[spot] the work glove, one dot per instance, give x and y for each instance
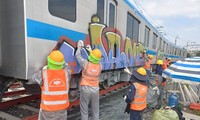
(127, 71)
(80, 44)
(124, 97)
(156, 90)
(88, 47)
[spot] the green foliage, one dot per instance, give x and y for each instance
(197, 112)
(188, 55)
(198, 53)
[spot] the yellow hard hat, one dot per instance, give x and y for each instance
(96, 53)
(141, 71)
(150, 57)
(140, 74)
(56, 56)
(159, 62)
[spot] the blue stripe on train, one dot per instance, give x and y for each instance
(168, 56)
(46, 31)
(151, 52)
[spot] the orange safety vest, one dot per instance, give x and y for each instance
(90, 74)
(55, 89)
(163, 83)
(147, 64)
(164, 66)
(139, 102)
(167, 62)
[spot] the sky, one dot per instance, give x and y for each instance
(180, 19)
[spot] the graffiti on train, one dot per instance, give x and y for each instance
(117, 52)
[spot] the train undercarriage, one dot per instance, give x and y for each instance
(107, 79)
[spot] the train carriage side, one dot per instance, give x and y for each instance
(154, 42)
(50, 22)
(13, 60)
(13, 47)
(39, 26)
(30, 30)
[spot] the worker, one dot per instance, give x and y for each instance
(148, 63)
(54, 81)
(91, 70)
(137, 92)
(143, 55)
(160, 82)
(166, 63)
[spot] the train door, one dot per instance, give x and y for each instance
(111, 13)
(107, 13)
(111, 22)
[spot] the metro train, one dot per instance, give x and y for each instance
(31, 29)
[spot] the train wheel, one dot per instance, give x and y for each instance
(73, 95)
(105, 84)
(5, 84)
(33, 89)
(73, 90)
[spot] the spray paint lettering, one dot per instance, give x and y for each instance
(117, 52)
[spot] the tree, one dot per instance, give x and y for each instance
(198, 53)
(188, 55)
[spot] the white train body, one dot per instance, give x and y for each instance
(31, 29)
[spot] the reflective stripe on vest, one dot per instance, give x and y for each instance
(55, 90)
(90, 74)
(139, 102)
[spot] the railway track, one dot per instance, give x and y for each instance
(24, 106)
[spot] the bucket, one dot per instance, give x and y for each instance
(173, 100)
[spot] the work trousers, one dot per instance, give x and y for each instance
(160, 98)
(88, 95)
(136, 115)
(161, 90)
(52, 115)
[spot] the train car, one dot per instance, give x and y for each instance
(31, 29)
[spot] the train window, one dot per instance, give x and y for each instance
(100, 10)
(146, 37)
(163, 48)
(132, 28)
(167, 48)
(111, 15)
(136, 30)
(154, 41)
(129, 27)
(65, 9)
(163, 45)
(171, 50)
(160, 43)
(176, 51)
